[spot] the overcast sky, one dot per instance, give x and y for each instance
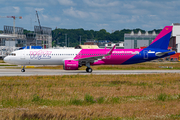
(91, 14)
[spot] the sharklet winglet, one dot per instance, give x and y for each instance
(110, 52)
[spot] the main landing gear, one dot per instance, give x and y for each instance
(88, 69)
(23, 69)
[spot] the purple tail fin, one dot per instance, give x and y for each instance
(162, 40)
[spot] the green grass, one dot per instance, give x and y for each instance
(88, 100)
(75, 101)
(175, 117)
(8, 65)
(114, 100)
(162, 96)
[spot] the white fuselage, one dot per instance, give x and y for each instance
(41, 56)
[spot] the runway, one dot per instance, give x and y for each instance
(40, 72)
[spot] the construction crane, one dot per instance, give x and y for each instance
(39, 23)
(41, 31)
(14, 17)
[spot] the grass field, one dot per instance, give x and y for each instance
(146, 96)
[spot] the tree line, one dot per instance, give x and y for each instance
(73, 36)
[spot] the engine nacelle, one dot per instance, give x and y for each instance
(71, 65)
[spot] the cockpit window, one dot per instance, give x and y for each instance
(12, 54)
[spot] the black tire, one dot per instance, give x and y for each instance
(89, 70)
(23, 70)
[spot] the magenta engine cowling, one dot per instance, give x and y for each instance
(71, 65)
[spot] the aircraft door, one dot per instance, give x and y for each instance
(23, 58)
(23, 54)
(145, 54)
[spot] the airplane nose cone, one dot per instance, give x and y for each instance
(5, 59)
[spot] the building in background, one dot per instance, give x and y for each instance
(7, 45)
(18, 39)
(10, 41)
(175, 39)
(91, 42)
(133, 41)
(102, 43)
(40, 37)
(119, 45)
(43, 36)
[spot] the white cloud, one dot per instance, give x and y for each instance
(101, 3)
(128, 6)
(66, 2)
(10, 10)
(125, 19)
(45, 16)
(75, 13)
(93, 14)
(49, 18)
(39, 9)
(17, 9)
(57, 19)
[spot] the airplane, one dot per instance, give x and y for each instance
(72, 59)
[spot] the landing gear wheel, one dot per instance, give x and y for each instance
(23, 70)
(89, 70)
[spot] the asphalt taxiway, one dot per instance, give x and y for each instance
(40, 72)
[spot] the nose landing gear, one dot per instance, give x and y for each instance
(23, 69)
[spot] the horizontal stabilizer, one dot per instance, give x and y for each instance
(159, 54)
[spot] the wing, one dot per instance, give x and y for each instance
(94, 58)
